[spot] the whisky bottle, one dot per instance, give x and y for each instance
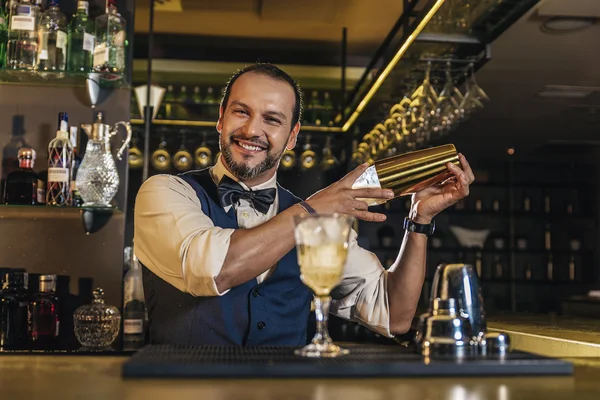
(23, 186)
(60, 156)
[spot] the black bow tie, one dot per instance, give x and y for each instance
(230, 192)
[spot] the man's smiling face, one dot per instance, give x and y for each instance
(255, 126)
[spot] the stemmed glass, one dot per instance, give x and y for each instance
(322, 246)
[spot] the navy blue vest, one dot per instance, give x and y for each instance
(274, 312)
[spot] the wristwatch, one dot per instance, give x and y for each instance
(412, 226)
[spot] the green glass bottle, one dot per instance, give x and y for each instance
(81, 40)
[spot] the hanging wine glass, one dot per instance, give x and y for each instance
(182, 160)
(329, 161)
(135, 157)
(308, 158)
(203, 154)
(288, 160)
(161, 158)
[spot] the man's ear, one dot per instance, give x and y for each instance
(220, 121)
(291, 143)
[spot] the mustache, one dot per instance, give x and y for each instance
(253, 139)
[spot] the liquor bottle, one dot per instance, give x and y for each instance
(44, 324)
(182, 97)
(166, 111)
(52, 39)
(327, 114)
(528, 272)
(479, 264)
(60, 156)
(134, 310)
(548, 238)
(526, 204)
(547, 201)
(572, 268)
(24, 186)
(496, 205)
(550, 268)
(212, 106)
(498, 268)
(14, 302)
(109, 53)
(76, 199)
(81, 40)
(3, 34)
(22, 45)
(313, 109)
(180, 110)
(478, 205)
(197, 97)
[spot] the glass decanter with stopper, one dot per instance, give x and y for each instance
(97, 324)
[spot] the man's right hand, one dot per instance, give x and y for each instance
(340, 198)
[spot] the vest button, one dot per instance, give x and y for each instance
(255, 293)
(261, 325)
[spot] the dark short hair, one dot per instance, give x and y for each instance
(272, 72)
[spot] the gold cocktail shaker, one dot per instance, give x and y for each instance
(410, 172)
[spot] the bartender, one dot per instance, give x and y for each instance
(218, 246)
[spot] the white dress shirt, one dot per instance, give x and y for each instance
(181, 245)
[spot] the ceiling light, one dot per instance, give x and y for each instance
(564, 25)
(567, 91)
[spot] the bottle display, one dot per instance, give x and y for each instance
(24, 186)
(52, 40)
(80, 40)
(60, 156)
(44, 324)
(14, 302)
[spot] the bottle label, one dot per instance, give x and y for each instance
(43, 41)
(88, 42)
(58, 175)
(133, 326)
(61, 40)
(100, 55)
(22, 22)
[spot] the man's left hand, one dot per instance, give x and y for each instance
(429, 202)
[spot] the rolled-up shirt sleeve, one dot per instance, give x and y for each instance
(362, 295)
(175, 239)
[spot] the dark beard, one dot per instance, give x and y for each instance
(242, 171)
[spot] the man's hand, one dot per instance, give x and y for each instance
(342, 199)
(429, 202)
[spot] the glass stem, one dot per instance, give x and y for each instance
(322, 315)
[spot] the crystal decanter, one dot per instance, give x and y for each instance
(97, 324)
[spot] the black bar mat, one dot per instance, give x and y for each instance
(166, 361)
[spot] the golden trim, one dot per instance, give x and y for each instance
(388, 69)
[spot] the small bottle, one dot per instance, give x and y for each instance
(572, 268)
(167, 104)
(197, 97)
(134, 310)
(109, 52)
(498, 268)
(24, 186)
(548, 238)
(60, 156)
(52, 40)
(14, 302)
(22, 45)
(528, 272)
(81, 40)
(526, 204)
(547, 203)
(550, 268)
(479, 265)
(211, 102)
(496, 205)
(44, 324)
(327, 110)
(182, 98)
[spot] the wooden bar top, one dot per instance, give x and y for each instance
(99, 377)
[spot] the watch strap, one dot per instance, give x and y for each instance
(412, 226)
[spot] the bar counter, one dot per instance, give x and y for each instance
(90, 378)
(62, 377)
